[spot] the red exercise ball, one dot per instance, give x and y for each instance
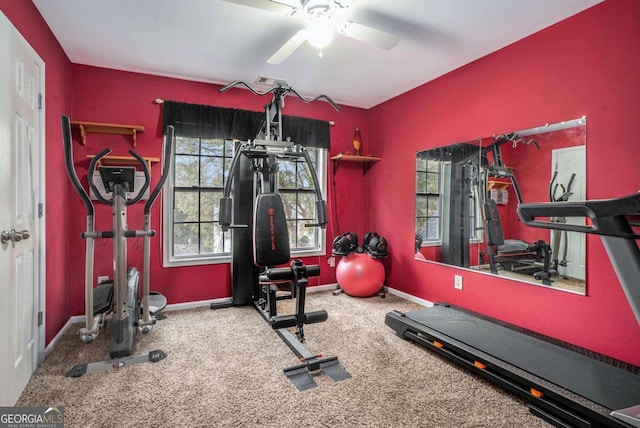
(360, 275)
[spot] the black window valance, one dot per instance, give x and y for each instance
(197, 120)
(453, 153)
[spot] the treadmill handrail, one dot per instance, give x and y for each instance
(596, 210)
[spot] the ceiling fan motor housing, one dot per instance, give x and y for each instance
(316, 7)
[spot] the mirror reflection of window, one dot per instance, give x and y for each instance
(428, 199)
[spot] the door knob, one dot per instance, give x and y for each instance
(14, 235)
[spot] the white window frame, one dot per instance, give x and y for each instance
(479, 220)
(167, 222)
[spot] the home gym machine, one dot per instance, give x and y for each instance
(515, 255)
(564, 385)
(260, 237)
(118, 300)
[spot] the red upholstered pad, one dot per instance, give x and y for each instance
(270, 233)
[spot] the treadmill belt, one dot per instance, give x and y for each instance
(597, 381)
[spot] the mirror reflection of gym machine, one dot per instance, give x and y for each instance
(260, 237)
(515, 255)
(119, 300)
(466, 177)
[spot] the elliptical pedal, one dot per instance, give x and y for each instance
(157, 303)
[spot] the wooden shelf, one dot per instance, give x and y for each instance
(124, 160)
(106, 128)
(498, 184)
(366, 161)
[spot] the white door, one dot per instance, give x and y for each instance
(21, 289)
(569, 161)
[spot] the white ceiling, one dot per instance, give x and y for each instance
(219, 42)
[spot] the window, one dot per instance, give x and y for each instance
(430, 176)
(295, 184)
(200, 169)
(428, 199)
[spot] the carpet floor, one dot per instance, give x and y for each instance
(224, 369)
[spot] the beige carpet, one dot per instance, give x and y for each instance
(224, 368)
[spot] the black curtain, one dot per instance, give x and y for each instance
(454, 153)
(197, 120)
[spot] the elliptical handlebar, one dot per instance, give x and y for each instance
(71, 171)
(147, 178)
(92, 185)
(168, 153)
(90, 172)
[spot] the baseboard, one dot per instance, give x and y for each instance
(409, 297)
(322, 287)
(387, 289)
(62, 332)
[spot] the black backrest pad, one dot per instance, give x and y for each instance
(495, 235)
(270, 233)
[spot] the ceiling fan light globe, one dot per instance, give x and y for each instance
(320, 33)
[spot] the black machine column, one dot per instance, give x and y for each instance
(244, 273)
(455, 228)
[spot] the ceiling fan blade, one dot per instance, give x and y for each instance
(269, 5)
(368, 35)
(288, 48)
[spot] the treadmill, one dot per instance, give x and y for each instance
(563, 384)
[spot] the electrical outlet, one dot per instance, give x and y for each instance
(457, 282)
(331, 261)
(102, 279)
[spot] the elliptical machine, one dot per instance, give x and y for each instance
(119, 299)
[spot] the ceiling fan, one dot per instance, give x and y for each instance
(323, 21)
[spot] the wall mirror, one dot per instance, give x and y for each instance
(467, 196)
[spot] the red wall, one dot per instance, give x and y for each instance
(586, 65)
(59, 265)
(582, 66)
(103, 95)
